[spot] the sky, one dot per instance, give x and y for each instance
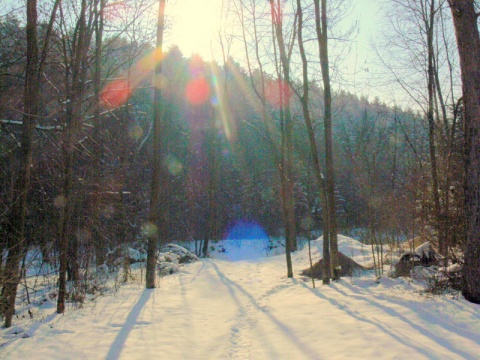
(194, 27)
(195, 24)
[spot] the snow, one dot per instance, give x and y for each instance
(245, 249)
(248, 309)
(360, 253)
(136, 255)
(424, 250)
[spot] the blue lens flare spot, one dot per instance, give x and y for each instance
(245, 230)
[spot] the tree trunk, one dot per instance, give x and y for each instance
(304, 99)
(81, 43)
(287, 144)
(213, 166)
(277, 150)
(100, 248)
(157, 192)
(431, 130)
(16, 242)
(468, 40)
(322, 34)
(15, 228)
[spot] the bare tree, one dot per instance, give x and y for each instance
(287, 130)
(16, 242)
(321, 186)
(76, 59)
(331, 241)
(422, 37)
(280, 140)
(97, 88)
(465, 20)
(157, 215)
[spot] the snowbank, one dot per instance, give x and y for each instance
(354, 249)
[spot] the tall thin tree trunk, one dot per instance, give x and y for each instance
(260, 93)
(157, 192)
(468, 40)
(16, 242)
(124, 233)
(431, 129)
(81, 44)
(317, 169)
(100, 248)
(211, 143)
(287, 144)
(450, 131)
(322, 34)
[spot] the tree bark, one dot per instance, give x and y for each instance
(100, 248)
(212, 187)
(429, 27)
(287, 144)
(17, 218)
(81, 42)
(322, 34)
(468, 40)
(16, 242)
(156, 217)
(317, 169)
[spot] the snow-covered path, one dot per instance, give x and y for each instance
(217, 309)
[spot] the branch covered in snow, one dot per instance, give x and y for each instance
(39, 127)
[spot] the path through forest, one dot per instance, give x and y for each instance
(218, 309)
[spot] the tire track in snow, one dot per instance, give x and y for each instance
(244, 326)
(213, 314)
(244, 323)
(241, 334)
(244, 340)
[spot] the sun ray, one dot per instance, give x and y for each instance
(222, 104)
(117, 92)
(248, 93)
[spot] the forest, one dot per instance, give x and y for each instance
(109, 138)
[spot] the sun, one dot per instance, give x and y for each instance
(194, 26)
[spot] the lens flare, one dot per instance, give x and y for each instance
(160, 82)
(115, 94)
(226, 152)
(196, 65)
(278, 93)
(214, 101)
(174, 165)
(148, 229)
(245, 230)
(197, 91)
(135, 132)
(148, 63)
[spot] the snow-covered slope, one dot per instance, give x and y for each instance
(249, 309)
(360, 253)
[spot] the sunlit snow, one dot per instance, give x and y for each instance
(249, 309)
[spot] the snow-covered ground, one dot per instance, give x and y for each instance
(249, 309)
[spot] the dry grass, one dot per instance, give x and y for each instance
(349, 267)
